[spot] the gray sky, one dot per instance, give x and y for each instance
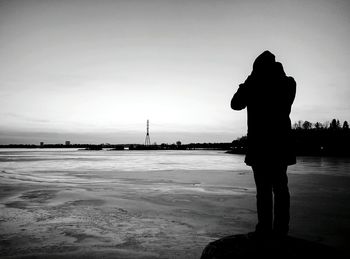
(95, 71)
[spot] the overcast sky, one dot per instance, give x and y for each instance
(95, 71)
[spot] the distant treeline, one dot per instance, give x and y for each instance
(318, 139)
(179, 146)
(164, 146)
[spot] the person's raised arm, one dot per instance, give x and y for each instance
(239, 99)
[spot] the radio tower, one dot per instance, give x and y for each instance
(147, 139)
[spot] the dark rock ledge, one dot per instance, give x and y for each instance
(244, 246)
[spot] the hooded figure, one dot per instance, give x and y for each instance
(268, 95)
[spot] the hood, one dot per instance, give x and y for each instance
(263, 61)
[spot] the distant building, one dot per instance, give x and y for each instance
(67, 143)
(41, 144)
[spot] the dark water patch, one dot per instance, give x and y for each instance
(30, 198)
(7, 190)
(94, 202)
(39, 196)
(17, 204)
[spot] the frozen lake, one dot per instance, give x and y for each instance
(153, 204)
(70, 160)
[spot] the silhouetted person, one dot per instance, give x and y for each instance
(268, 95)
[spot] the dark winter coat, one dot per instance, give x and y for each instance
(268, 95)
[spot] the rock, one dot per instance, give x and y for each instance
(245, 246)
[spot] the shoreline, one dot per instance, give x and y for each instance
(126, 148)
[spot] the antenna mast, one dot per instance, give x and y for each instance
(147, 139)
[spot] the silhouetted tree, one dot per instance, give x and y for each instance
(328, 138)
(318, 125)
(307, 125)
(335, 124)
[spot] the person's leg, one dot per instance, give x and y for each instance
(263, 199)
(281, 200)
